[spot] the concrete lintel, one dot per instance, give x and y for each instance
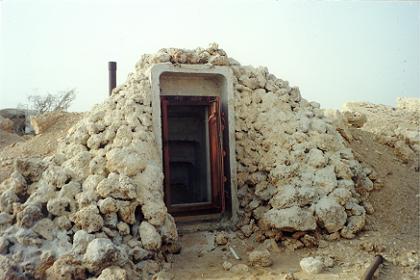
(158, 69)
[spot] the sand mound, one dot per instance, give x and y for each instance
(8, 138)
(6, 125)
(396, 127)
(13, 146)
(53, 121)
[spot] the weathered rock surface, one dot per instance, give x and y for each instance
(66, 268)
(331, 215)
(81, 239)
(150, 238)
(88, 218)
(311, 265)
(260, 258)
(221, 238)
(113, 273)
(355, 119)
(291, 219)
(227, 265)
(239, 268)
(9, 269)
(100, 253)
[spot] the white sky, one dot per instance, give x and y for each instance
(335, 51)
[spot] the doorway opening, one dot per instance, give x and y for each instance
(192, 139)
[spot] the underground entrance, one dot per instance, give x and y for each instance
(194, 128)
(192, 154)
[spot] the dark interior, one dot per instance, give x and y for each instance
(189, 154)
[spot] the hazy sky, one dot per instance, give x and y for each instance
(335, 51)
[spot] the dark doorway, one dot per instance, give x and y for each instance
(192, 154)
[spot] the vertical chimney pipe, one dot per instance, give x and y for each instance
(112, 79)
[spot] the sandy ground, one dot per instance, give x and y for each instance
(200, 259)
(13, 146)
(392, 231)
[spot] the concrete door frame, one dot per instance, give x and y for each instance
(200, 80)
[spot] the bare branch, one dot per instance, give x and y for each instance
(51, 102)
(65, 100)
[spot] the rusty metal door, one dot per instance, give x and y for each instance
(216, 153)
(213, 104)
(165, 151)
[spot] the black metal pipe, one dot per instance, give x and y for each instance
(373, 267)
(112, 79)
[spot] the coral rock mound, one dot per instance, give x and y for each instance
(96, 205)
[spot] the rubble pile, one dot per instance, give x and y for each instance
(396, 127)
(295, 172)
(97, 202)
(96, 205)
